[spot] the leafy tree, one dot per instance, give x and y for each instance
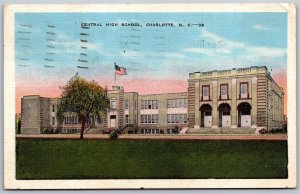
(83, 98)
(113, 135)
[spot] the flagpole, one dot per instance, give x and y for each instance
(115, 79)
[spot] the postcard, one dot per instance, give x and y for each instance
(144, 96)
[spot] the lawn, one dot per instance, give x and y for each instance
(98, 159)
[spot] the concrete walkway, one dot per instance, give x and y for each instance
(277, 137)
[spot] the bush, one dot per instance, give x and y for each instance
(50, 130)
(113, 135)
(272, 131)
(263, 131)
(176, 129)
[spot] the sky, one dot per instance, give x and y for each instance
(158, 58)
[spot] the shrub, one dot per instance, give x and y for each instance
(113, 135)
(273, 131)
(263, 131)
(176, 129)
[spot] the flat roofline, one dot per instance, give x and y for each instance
(131, 93)
(230, 69)
(28, 96)
(163, 93)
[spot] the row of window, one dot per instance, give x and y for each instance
(224, 94)
(149, 104)
(157, 131)
(151, 131)
(177, 118)
(151, 118)
(70, 131)
(153, 104)
(177, 103)
(70, 120)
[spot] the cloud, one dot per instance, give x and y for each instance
(219, 41)
(261, 27)
(266, 52)
(206, 51)
(216, 46)
(72, 45)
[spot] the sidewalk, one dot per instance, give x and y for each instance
(277, 137)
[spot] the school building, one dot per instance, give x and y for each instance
(241, 99)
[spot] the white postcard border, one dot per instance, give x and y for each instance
(9, 100)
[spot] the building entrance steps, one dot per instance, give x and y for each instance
(184, 130)
(221, 131)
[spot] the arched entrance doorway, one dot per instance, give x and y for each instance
(244, 114)
(206, 119)
(224, 115)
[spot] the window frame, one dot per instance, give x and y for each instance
(202, 93)
(111, 104)
(227, 92)
(240, 90)
(126, 104)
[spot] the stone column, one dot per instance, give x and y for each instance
(233, 103)
(197, 99)
(215, 112)
(191, 104)
(254, 102)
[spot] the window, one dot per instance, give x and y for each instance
(176, 118)
(173, 104)
(177, 103)
(53, 120)
(113, 104)
(149, 104)
(181, 103)
(185, 118)
(169, 118)
(154, 103)
(185, 103)
(205, 92)
(53, 108)
(149, 118)
(244, 90)
(142, 104)
(126, 119)
(126, 104)
(142, 118)
(169, 103)
(224, 91)
(172, 118)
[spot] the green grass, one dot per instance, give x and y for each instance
(91, 159)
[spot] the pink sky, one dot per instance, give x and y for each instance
(142, 86)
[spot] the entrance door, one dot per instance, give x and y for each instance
(113, 120)
(226, 121)
(224, 115)
(244, 114)
(206, 118)
(245, 120)
(207, 121)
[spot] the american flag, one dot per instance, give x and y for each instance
(120, 70)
